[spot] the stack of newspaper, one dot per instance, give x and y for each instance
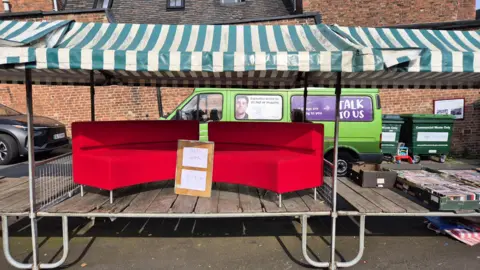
(441, 186)
(470, 176)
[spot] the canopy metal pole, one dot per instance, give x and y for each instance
(31, 167)
(305, 94)
(338, 91)
(92, 95)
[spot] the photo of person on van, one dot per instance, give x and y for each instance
(241, 105)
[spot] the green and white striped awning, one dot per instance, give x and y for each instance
(268, 56)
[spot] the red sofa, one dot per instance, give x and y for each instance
(115, 154)
(280, 157)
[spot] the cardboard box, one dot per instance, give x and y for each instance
(370, 176)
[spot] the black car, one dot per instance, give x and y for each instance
(49, 134)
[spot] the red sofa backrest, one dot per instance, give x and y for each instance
(111, 133)
(305, 136)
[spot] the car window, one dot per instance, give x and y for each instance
(203, 107)
(322, 108)
(258, 107)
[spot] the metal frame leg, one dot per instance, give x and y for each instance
(14, 263)
(315, 194)
(65, 247)
(361, 247)
(81, 190)
(31, 166)
(6, 247)
(338, 92)
(111, 196)
(279, 200)
(304, 221)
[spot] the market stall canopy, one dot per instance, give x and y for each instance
(258, 56)
(416, 58)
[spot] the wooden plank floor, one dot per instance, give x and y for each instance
(376, 200)
(160, 198)
(14, 195)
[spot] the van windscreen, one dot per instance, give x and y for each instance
(322, 108)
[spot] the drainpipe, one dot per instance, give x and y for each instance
(159, 101)
(55, 5)
(6, 6)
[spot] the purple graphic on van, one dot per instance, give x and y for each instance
(322, 108)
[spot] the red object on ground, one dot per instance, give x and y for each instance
(408, 158)
(116, 154)
(280, 157)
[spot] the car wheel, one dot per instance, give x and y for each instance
(344, 163)
(8, 149)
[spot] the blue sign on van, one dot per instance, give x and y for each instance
(322, 108)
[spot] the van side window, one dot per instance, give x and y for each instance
(203, 107)
(212, 106)
(258, 107)
(322, 108)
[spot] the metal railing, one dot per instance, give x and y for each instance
(54, 180)
(325, 190)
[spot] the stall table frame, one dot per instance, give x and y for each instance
(158, 200)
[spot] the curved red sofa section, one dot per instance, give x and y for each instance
(116, 154)
(280, 157)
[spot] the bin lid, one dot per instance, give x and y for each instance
(392, 119)
(430, 118)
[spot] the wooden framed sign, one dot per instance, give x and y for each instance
(194, 169)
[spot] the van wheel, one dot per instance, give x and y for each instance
(344, 164)
(8, 149)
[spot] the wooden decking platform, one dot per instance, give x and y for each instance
(160, 198)
(14, 195)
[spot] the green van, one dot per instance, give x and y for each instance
(360, 113)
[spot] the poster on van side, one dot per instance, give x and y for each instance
(258, 107)
(322, 108)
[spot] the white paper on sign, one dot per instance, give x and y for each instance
(194, 180)
(195, 157)
(432, 136)
(388, 136)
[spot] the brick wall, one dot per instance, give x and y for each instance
(68, 104)
(466, 133)
(388, 12)
(29, 5)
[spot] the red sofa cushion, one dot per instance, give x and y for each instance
(280, 157)
(278, 135)
(117, 154)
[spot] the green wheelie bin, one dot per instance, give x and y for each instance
(427, 135)
(391, 125)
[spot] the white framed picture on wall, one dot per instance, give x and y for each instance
(455, 107)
